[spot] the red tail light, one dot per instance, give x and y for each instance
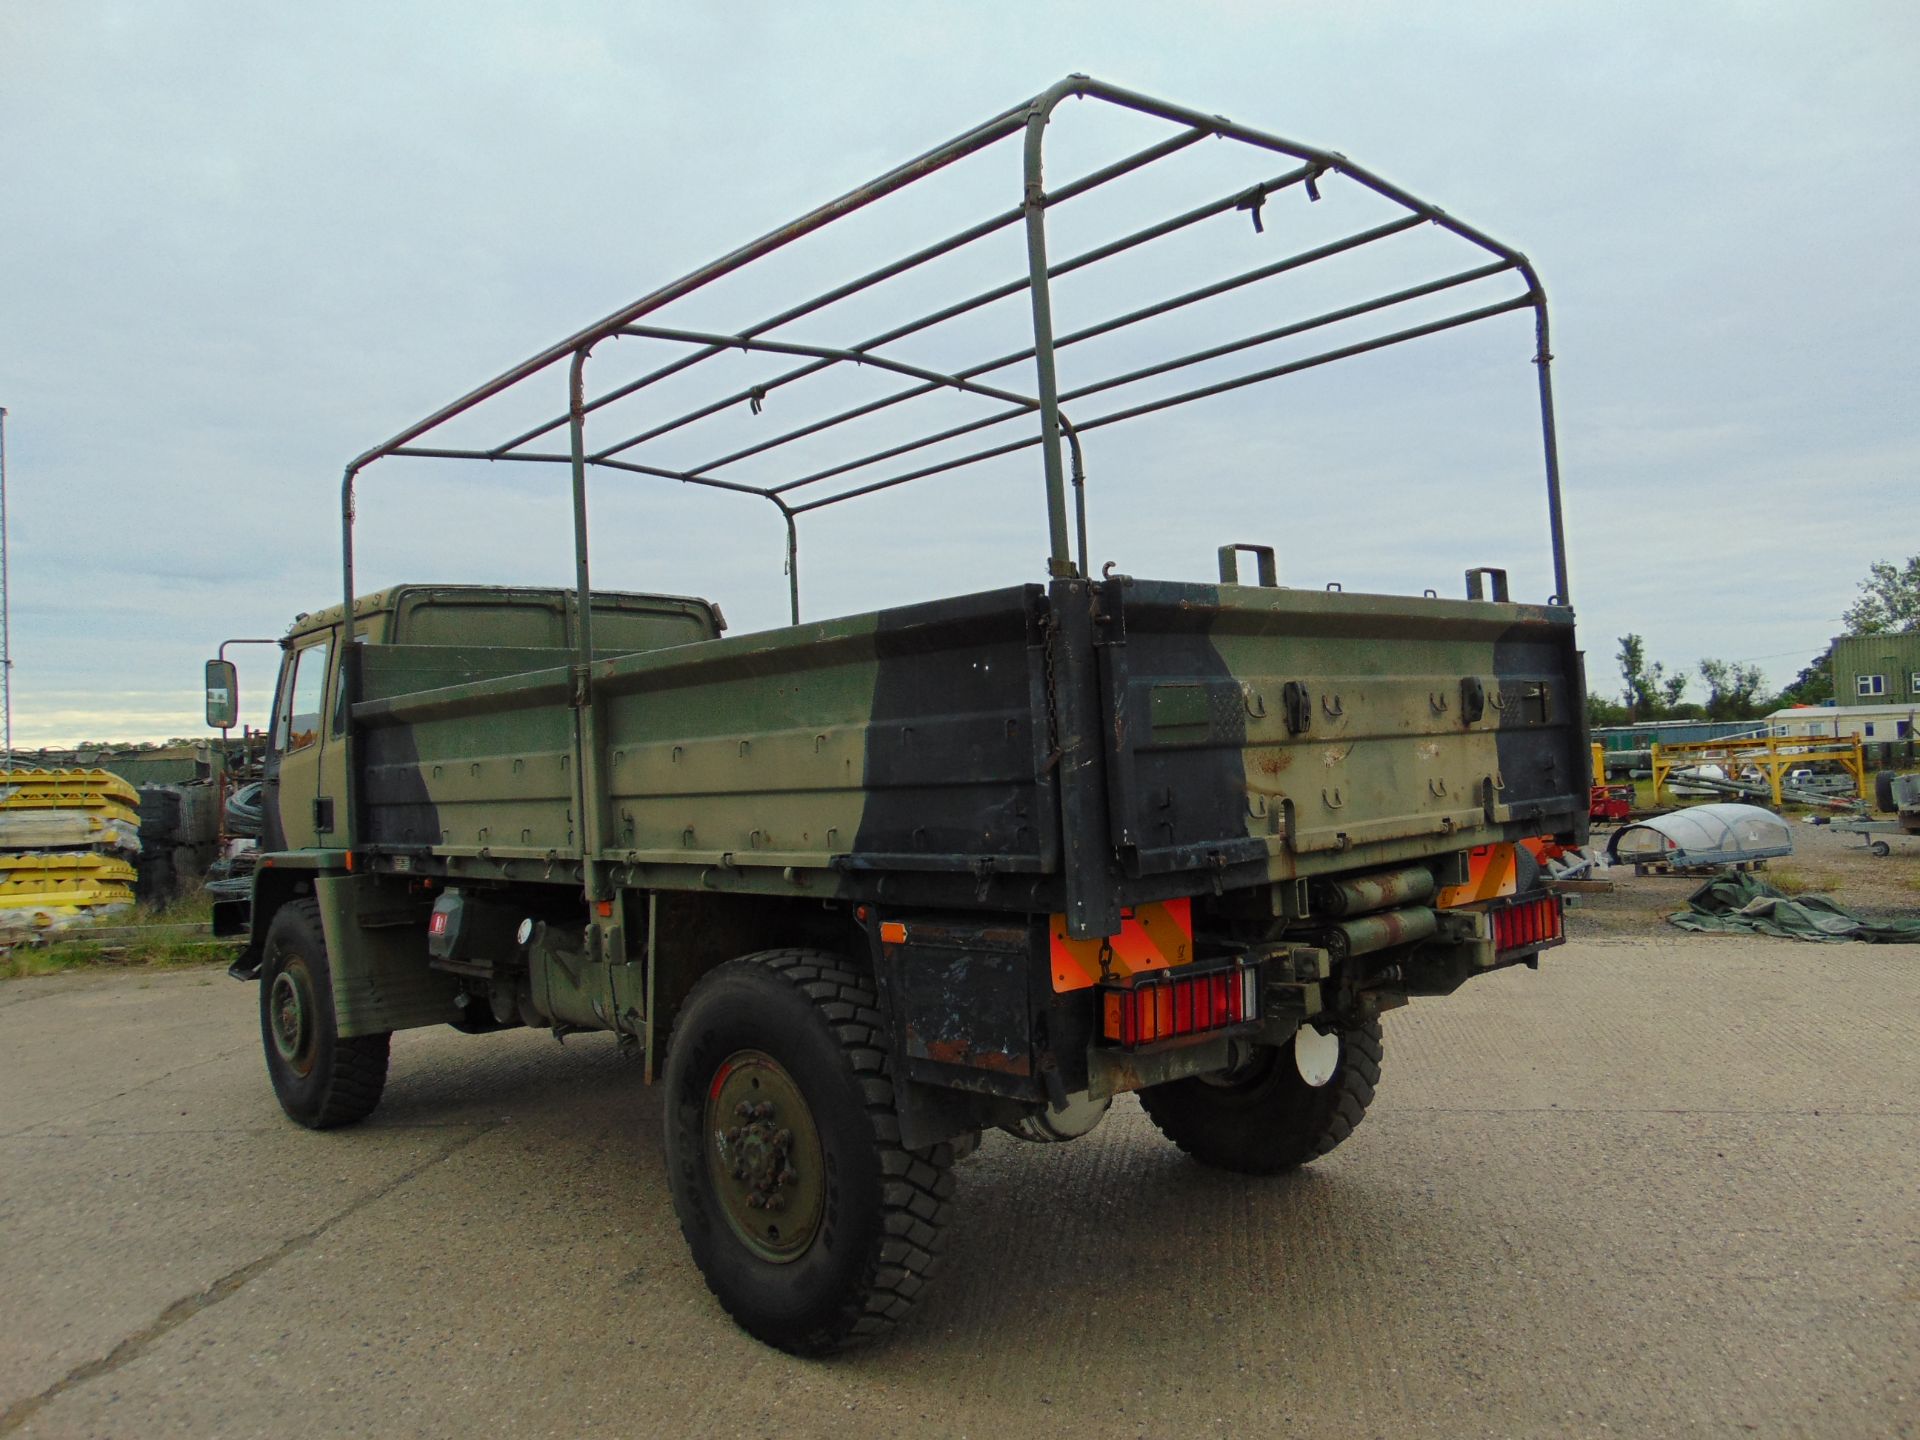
(1528, 923)
(1165, 1005)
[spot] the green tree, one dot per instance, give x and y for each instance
(1733, 689)
(1889, 599)
(1602, 711)
(1637, 696)
(1814, 684)
(1650, 691)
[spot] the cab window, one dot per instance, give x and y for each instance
(299, 723)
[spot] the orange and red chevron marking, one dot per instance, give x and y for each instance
(1152, 937)
(1491, 873)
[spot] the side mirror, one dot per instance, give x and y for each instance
(223, 695)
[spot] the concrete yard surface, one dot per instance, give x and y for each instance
(1664, 1186)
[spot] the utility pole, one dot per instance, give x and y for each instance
(6, 638)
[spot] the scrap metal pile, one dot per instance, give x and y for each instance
(69, 840)
(179, 834)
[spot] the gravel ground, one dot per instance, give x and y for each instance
(1650, 1189)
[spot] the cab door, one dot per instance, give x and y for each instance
(296, 746)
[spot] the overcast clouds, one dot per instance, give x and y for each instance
(239, 244)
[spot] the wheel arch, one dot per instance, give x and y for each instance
(698, 933)
(273, 889)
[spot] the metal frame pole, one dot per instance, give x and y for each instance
(1550, 442)
(793, 556)
(1059, 563)
(585, 706)
(577, 426)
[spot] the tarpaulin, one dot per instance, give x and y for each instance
(1742, 902)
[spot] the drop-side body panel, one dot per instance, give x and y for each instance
(911, 740)
(1226, 733)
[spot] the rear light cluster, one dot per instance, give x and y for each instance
(1165, 1005)
(1528, 922)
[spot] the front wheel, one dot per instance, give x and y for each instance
(321, 1078)
(1286, 1105)
(813, 1225)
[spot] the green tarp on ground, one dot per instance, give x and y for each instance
(1742, 902)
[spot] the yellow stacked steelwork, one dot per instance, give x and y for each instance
(66, 838)
(1771, 755)
(64, 882)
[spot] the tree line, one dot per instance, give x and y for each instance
(1889, 602)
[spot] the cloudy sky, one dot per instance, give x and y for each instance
(241, 243)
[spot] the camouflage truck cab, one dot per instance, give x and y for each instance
(861, 888)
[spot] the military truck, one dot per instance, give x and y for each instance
(861, 888)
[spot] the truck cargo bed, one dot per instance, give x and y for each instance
(1240, 734)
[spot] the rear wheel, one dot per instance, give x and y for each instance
(1268, 1115)
(813, 1225)
(321, 1078)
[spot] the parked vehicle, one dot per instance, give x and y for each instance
(1610, 804)
(863, 887)
(1894, 794)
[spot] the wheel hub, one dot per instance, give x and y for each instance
(1316, 1054)
(290, 1018)
(764, 1156)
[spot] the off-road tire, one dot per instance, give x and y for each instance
(332, 1080)
(878, 1241)
(1269, 1120)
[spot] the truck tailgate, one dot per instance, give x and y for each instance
(1309, 728)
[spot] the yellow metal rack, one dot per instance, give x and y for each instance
(1769, 755)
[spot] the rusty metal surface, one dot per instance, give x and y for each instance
(1379, 890)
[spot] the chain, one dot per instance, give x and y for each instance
(1049, 628)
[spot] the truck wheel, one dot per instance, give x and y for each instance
(813, 1225)
(1265, 1117)
(321, 1078)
